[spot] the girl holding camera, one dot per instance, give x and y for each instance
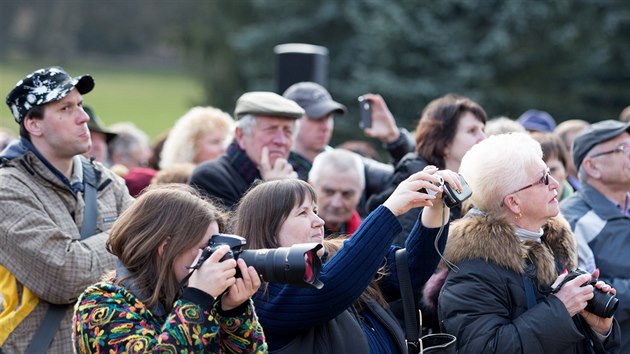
(141, 308)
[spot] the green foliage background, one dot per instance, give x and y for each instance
(150, 99)
(568, 57)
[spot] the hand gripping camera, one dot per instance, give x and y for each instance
(602, 304)
(298, 265)
(451, 196)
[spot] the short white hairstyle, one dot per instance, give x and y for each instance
(181, 143)
(339, 160)
(498, 166)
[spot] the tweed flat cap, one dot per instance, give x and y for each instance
(267, 104)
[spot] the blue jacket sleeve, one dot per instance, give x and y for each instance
(285, 309)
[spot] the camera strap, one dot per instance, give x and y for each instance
(528, 274)
(529, 291)
(412, 330)
(55, 313)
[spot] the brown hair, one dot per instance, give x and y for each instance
(552, 146)
(173, 212)
(265, 207)
(437, 126)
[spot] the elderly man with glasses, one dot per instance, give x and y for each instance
(599, 213)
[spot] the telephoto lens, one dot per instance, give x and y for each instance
(298, 265)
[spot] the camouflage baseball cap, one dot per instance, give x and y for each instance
(44, 86)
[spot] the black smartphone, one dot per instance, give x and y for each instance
(365, 113)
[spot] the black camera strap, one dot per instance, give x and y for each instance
(528, 275)
(412, 329)
(529, 291)
(55, 313)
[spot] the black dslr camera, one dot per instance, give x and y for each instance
(451, 196)
(602, 304)
(298, 265)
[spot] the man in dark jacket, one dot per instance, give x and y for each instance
(599, 213)
(264, 137)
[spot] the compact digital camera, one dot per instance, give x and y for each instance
(298, 265)
(602, 304)
(452, 196)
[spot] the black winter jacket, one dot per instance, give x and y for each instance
(484, 302)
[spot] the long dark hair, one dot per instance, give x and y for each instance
(437, 126)
(265, 207)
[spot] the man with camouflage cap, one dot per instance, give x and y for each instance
(56, 210)
(264, 137)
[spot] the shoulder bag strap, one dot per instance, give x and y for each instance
(55, 313)
(88, 228)
(412, 334)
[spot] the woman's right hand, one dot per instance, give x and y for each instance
(407, 195)
(214, 275)
(573, 295)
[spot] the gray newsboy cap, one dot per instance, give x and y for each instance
(269, 104)
(595, 134)
(44, 86)
(314, 98)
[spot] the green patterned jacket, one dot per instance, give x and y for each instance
(110, 319)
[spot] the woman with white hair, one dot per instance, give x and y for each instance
(508, 257)
(202, 134)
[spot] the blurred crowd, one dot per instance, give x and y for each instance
(535, 260)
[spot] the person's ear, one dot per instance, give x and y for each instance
(512, 202)
(162, 246)
(33, 126)
(239, 134)
(592, 168)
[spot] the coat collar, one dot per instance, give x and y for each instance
(493, 239)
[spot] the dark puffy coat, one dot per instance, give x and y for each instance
(484, 303)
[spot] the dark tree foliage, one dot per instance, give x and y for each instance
(568, 57)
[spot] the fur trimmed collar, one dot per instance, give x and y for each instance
(493, 239)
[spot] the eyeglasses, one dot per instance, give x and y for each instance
(623, 148)
(543, 180)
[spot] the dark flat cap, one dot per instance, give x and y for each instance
(269, 104)
(314, 98)
(44, 86)
(595, 134)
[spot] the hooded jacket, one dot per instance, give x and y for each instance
(42, 257)
(483, 301)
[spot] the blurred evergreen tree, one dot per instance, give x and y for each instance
(568, 57)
